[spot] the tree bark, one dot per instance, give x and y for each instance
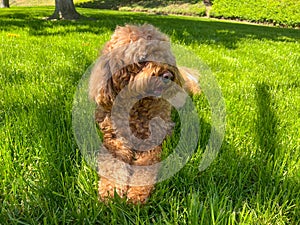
(4, 4)
(207, 2)
(65, 9)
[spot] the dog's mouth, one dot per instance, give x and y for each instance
(158, 91)
(161, 83)
(155, 93)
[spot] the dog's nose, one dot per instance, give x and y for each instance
(167, 76)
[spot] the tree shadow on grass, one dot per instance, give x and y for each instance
(266, 122)
(183, 29)
(231, 182)
(255, 178)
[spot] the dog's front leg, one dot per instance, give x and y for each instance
(143, 179)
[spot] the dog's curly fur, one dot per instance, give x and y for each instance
(133, 56)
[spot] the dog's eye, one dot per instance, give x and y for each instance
(167, 76)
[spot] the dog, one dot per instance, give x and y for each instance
(130, 82)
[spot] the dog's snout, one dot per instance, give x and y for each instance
(167, 76)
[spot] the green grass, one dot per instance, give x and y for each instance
(284, 13)
(44, 179)
(277, 12)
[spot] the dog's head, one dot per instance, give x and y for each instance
(136, 57)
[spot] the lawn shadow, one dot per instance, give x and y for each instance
(232, 181)
(187, 30)
(250, 177)
(266, 122)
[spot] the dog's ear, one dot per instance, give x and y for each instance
(191, 79)
(100, 84)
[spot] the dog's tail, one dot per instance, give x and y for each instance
(191, 80)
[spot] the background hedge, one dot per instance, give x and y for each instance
(278, 12)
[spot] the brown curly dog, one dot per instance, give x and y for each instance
(128, 83)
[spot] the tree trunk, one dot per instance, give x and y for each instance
(207, 2)
(65, 9)
(4, 4)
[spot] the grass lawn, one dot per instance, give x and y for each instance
(276, 12)
(45, 180)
